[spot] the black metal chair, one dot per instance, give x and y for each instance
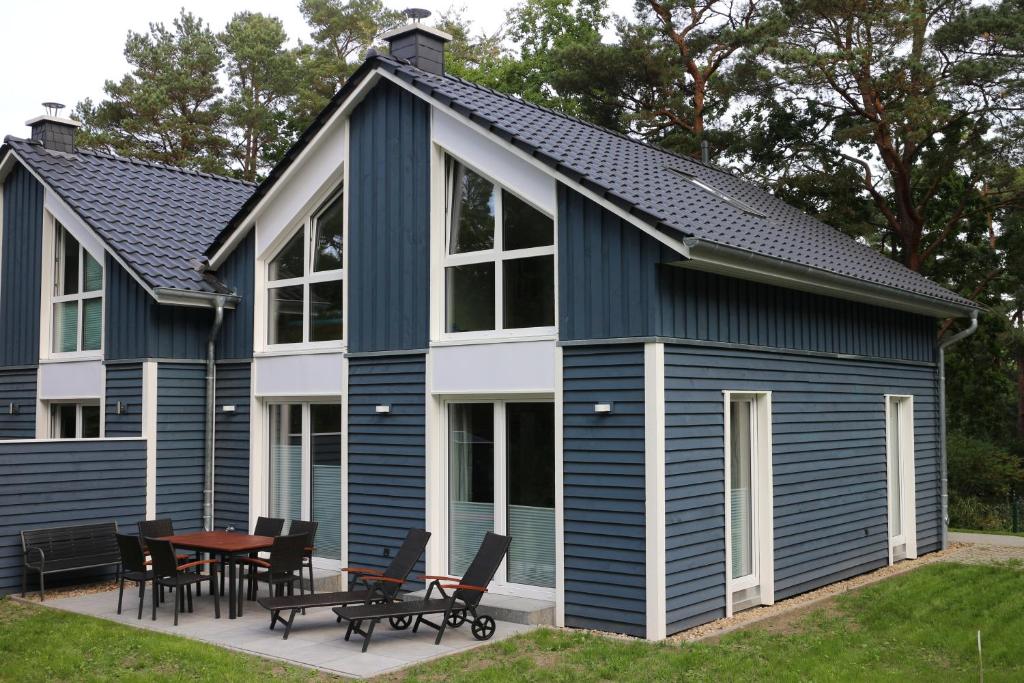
(455, 607)
(377, 586)
(158, 528)
(133, 568)
(167, 572)
(279, 572)
(268, 526)
(300, 526)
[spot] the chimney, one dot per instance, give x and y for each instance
(422, 46)
(53, 131)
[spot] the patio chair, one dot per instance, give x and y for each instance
(268, 526)
(167, 572)
(300, 526)
(158, 528)
(455, 607)
(280, 571)
(133, 568)
(377, 586)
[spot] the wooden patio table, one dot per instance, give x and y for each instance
(225, 544)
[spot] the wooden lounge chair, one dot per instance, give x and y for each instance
(455, 608)
(376, 585)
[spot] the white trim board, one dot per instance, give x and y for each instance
(908, 481)
(149, 432)
(654, 483)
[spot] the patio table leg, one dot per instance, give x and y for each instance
(231, 590)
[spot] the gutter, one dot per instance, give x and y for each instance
(184, 297)
(211, 413)
(963, 334)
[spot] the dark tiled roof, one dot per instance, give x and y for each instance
(157, 218)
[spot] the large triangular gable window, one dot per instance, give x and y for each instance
(305, 281)
(77, 296)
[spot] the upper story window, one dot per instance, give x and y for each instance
(77, 296)
(305, 281)
(499, 258)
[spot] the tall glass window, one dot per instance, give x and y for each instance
(77, 296)
(741, 452)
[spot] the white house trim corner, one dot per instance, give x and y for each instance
(654, 482)
(149, 432)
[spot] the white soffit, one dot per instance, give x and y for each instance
(316, 374)
(68, 380)
(507, 367)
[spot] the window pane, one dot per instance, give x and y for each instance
(329, 236)
(740, 441)
(470, 297)
(472, 212)
(530, 292)
(62, 420)
(471, 476)
(325, 452)
(65, 327)
(286, 461)
(325, 311)
(90, 422)
(92, 323)
(93, 280)
(524, 226)
(69, 264)
(285, 315)
(531, 492)
(895, 468)
(288, 262)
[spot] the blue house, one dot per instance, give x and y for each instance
(450, 308)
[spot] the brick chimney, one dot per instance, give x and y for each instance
(53, 131)
(422, 46)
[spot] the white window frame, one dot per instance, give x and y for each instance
(51, 424)
(762, 501)
(902, 546)
(52, 272)
(496, 255)
(307, 226)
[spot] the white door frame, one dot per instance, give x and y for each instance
(904, 439)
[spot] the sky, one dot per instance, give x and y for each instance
(63, 50)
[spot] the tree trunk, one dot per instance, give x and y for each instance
(1020, 393)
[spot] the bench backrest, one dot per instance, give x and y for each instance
(72, 542)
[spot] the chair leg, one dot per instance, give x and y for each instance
(42, 587)
(142, 597)
(216, 596)
(312, 588)
(178, 600)
(120, 595)
(369, 634)
(288, 626)
(351, 625)
(188, 596)
(154, 600)
(444, 625)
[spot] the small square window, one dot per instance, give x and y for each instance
(470, 291)
(530, 292)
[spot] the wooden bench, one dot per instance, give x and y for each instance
(67, 548)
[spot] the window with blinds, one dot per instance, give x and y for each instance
(77, 296)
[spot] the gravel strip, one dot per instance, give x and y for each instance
(71, 591)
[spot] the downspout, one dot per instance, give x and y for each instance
(963, 334)
(211, 413)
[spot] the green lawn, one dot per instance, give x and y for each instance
(989, 532)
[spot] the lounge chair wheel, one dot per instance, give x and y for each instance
(398, 623)
(457, 618)
(483, 627)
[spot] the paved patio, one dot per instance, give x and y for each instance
(315, 641)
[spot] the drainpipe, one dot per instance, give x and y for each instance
(963, 334)
(211, 413)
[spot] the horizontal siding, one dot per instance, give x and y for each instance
(828, 462)
(603, 489)
(238, 273)
(58, 483)
(21, 241)
(231, 487)
(124, 384)
(181, 404)
(18, 386)
(386, 456)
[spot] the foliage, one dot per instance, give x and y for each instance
(982, 470)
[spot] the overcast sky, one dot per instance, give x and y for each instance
(63, 50)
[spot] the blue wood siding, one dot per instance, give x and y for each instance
(20, 268)
(137, 327)
(238, 272)
(829, 461)
(124, 383)
(386, 456)
(605, 531)
(18, 386)
(231, 483)
(181, 399)
(614, 281)
(56, 483)
(389, 216)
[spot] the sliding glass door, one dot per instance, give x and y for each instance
(305, 469)
(501, 471)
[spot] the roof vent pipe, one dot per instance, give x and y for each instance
(422, 46)
(54, 131)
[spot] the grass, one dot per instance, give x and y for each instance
(989, 531)
(40, 644)
(920, 626)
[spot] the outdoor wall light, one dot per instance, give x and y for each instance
(228, 409)
(383, 409)
(121, 408)
(13, 409)
(604, 408)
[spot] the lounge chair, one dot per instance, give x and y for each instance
(377, 586)
(456, 607)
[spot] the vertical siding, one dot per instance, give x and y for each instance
(605, 548)
(386, 455)
(238, 273)
(389, 217)
(18, 386)
(56, 483)
(181, 392)
(829, 462)
(231, 484)
(20, 268)
(124, 383)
